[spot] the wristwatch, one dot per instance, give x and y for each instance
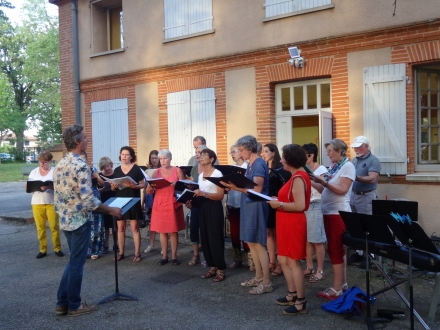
(281, 205)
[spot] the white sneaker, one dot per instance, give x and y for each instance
(150, 249)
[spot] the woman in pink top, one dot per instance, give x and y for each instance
(167, 215)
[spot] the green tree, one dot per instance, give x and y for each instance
(4, 4)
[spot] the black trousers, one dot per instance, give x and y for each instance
(212, 236)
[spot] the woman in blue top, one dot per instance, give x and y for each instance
(253, 216)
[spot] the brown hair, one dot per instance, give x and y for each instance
(45, 156)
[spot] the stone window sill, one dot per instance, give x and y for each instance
(108, 52)
(424, 177)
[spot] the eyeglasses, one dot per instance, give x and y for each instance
(240, 150)
(233, 152)
(204, 155)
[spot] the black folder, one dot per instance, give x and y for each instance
(188, 195)
(126, 207)
(230, 169)
(238, 179)
(253, 196)
(181, 185)
(158, 183)
(33, 186)
(186, 169)
(281, 174)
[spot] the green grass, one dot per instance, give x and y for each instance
(11, 172)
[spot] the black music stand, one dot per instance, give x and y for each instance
(413, 236)
(369, 228)
(117, 295)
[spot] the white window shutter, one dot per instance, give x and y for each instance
(203, 119)
(109, 129)
(385, 115)
(281, 7)
(325, 136)
(176, 18)
(200, 16)
(284, 131)
(179, 127)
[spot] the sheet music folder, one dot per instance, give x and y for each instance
(127, 206)
(230, 169)
(32, 186)
(188, 195)
(253, 196)
(238, 179)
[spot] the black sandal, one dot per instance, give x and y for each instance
(220, 276)
(162, 262)
(120, 257)
(284, 301)
(210, 273)
(176, 262)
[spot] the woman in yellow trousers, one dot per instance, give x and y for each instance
(42, 206)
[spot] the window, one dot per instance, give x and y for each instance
(107, 31)
(186, 18)
(284, 8)
(190, 113)
(26, 143)
(428, 107)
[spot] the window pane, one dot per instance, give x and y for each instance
(434, 117)
(434, 134)
(285, 99)
(434, 153)
(434, 81)
(425, 153)
(434, 99)
(424, 118)
(311, 97)
(115, 28)
(325, 95)
(423, 80)
(424, 99)
(298, 95)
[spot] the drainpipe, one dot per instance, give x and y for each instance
(74, 4)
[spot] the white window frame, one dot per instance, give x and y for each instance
(277, 9)
(190, 18)
(284, 118)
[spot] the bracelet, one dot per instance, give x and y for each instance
(326, 184)
(206, 195)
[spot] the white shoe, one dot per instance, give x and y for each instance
(150, 249)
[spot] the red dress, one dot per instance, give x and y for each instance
(291, 227)
(167, 215)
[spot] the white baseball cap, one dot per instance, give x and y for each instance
(358, 141)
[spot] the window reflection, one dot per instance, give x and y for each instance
(298, 95)
(312, 97)
(285, 99)
(325, 95)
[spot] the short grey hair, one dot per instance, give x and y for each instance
(338, 145)
(166, 153)
(248, 142)
(72, 136)
(200, 138)
(202, 147)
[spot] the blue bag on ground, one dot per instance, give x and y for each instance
(350, 302)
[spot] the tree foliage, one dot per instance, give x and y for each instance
(29, 64)
(4, 4)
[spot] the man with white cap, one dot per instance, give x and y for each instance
(363, 191)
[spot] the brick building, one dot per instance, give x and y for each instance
(154, 74)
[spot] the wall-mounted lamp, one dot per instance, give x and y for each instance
(296, 59)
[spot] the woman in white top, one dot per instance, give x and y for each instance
(211, 218)
(335, 187)
(315, 223)
(42, 205)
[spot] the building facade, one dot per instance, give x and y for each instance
(154, 74)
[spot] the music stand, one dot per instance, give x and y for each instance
(117, 295)
(369, 228)
(413, 236)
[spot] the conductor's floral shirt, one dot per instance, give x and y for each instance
(74, 199)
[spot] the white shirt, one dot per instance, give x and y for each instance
(332, 203)
(208, 186)
(316, 195)
(41, 197)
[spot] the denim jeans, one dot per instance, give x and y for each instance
(69, 291)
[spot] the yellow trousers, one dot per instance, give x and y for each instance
(43, 213)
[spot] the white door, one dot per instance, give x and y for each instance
(284, 131)
(385, 115)
(325, 135)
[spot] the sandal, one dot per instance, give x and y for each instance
(252, 282)
(277, 271)
(324, 294)
(344, 287)
(162, 262)
(137, 258)
(262, 288)
(309, 272)
(314, 279)
(120, 257)
(194, 261)
(220, 276)
(175, 262)
(210, 273)
(272, 266)
(292, 310)
(285, 301)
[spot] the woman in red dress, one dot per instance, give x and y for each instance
(167, 215)
(291, 227)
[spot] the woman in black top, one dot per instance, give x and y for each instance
(127, 157)
(273, 160)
